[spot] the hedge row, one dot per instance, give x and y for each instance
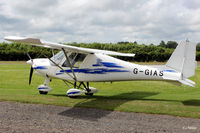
(144, 53)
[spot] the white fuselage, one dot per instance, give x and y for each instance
(99, 67)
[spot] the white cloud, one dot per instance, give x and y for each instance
(144, 21)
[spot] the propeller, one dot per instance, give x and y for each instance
(31, 70)
(30, 76)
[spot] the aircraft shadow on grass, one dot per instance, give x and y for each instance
(94, 114)
(192, 102)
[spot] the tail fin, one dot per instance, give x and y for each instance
(183, 59)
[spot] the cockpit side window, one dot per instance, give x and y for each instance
(71, 57)
(58, 57)
(76, 60)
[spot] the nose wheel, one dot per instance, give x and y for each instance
(43, 92)
(44, 88)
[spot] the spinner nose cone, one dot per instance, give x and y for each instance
(30, 62)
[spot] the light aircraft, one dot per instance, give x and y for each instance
(79, 66)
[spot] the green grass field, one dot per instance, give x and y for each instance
(133, 96)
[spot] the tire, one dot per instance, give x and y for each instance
(89, 94)
(43, 92)
(72, 96)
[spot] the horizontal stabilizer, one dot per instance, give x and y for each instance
(38, 42)
(187, 82)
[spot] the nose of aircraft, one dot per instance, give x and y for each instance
(30, 62)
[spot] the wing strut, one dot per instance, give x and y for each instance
(60, 68)
(70, 65)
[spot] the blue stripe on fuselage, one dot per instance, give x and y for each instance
(106, 64)
(93, 71)
(168, 71)
(40, 67)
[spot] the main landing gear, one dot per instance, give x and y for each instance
(74, 92)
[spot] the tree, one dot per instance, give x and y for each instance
(198, 46)
(123, 42)
(171, 44)
(162, 44)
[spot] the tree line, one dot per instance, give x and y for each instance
(143, 53)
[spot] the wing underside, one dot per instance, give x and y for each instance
(41, 43)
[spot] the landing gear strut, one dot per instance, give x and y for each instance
(87, 90)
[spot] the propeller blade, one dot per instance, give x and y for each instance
(28, 55)
(30, 76)
(31, 60)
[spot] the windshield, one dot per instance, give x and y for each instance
(58, 57)
(75, 59)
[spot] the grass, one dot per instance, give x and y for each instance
(133, 96)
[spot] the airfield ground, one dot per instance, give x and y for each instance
(19, 117)
(152, 97)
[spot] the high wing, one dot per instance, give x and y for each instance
(38, 42)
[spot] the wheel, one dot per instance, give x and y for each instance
(89, 94)
(43, 92)
(72, 96)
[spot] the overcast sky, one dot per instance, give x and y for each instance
(144, 21)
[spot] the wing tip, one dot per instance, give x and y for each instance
(13, 38)
(22, 39)
(127, 54)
